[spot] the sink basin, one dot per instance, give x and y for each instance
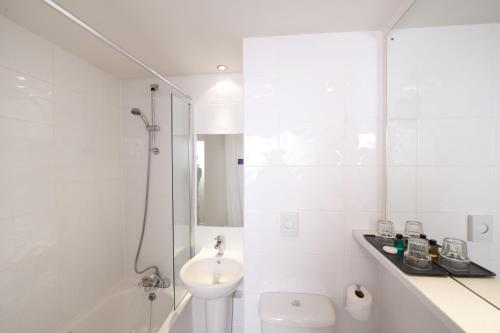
(209, 277)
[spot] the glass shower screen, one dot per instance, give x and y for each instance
(181, 185)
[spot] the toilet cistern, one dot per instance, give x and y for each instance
(219, 245)
(282, 312)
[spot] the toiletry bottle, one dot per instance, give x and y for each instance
(399, 243)
(433, 250)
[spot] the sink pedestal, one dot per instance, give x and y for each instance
(212, 279)
(218, 314)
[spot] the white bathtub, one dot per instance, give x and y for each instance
(128, 310)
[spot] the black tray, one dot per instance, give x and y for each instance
(397, 260)
(475, 271)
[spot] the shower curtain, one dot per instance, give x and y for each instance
(234, 179)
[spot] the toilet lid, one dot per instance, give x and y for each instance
(296, 310)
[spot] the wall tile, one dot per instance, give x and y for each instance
(312, 127)
(458, 94)
(363, 94)
(25, 97)
(25, 144)
(310, 99)
(402, 189)
(251, 310)
(358, 221)
(262, 231)
(440, 225)
(362, 189)
(401, 53)
(297, 273)
(496, 141)
(262, 145)
(402, 94)
(260, 97)
(60, 185)
(441, 189)
(495, 190)
(361, 146)
(471, 42)
(22, 46)
(217, 101)
(312, 143)
(401, 142)
(283, 188)
(454, 142)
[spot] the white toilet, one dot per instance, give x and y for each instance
(295, 313)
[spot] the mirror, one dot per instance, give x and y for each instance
(219, 164)
(443, 125)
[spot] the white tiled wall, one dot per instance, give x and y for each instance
(72, 178)
(60, 183)
(217, 102)
(157, 246)
(313, 145)
(443, 130)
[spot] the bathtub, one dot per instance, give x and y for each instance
(128, 309)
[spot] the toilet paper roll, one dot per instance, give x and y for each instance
(357, 304)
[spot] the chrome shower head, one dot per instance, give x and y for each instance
(138, 112)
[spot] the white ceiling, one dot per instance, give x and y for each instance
(178, 37)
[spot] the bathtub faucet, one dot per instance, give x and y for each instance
(154, 281)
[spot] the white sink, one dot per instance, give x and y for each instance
(209, 277)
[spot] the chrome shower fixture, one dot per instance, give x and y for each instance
(138, 112)
(155, 128)
(155, 280)
(151, 128)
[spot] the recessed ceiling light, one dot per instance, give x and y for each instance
(222, 68)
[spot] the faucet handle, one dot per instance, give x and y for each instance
(219, 242)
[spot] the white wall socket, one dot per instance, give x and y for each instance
(289, 224)
(480, 228)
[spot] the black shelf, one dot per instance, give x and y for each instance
(476, 271)
(397, 260)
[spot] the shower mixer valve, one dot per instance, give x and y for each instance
(153, 281)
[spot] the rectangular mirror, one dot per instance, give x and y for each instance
(443, 126)
(219, 164)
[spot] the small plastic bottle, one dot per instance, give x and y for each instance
(433, 250)
(399, 243)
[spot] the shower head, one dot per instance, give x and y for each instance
(138, 112)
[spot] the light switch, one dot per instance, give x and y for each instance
(480, 228)
(289, 224)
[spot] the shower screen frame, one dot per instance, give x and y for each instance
(182, 210)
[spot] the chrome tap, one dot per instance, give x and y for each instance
(219, 245)
(153, 281)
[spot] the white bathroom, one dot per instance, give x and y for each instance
(230, 166)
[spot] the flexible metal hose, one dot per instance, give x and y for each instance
(145, 217)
